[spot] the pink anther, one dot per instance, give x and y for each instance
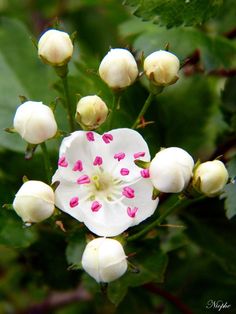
(90, 136)
(132, 212)
(119, 156)
(83, 179)
(145, 173)
(97, 161)
(107, 138)
(128, 192)
(124, 171)
(62, 162)
(74, 201)
(139, 154)
(78, 166)
(96, 206)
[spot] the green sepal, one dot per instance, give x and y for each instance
(10, 130)
(8, 206)
(25, 179)
(30, 149)
(55, 185)
(73, 37)
(23, 98)
(62, 70)
(155, 194)
(34, 42)
(142, 164)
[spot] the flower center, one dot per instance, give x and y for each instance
(102, 181)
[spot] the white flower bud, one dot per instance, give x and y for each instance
(118, 68)
(55, 47)
(210, 177)
(161, 67)
(34, 202)
(171, 170)
(104, 259)
(35, 122)
(91, 112)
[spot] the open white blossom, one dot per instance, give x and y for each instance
(104, 259)
(100, 184)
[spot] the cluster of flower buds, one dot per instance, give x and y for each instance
(119, 68)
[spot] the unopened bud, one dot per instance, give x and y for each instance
(210, 177)
(171, 169)
(34, 202)
(35, 122)
(104, 259)
(55, 47)
(91, 112)
(118, 68)
(161, 68)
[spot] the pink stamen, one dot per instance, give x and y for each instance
(62, 162)
(139, 154)
(107, 138)
(132, 212)
(96, 206)
(97, 161)
(78, 166)
(124, 171)
(74, 201)
(90, 136)
(145, 173)
(128, 192)
(119, 156)
(83, 179)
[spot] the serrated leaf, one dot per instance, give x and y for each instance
(175, 12)
(229, 193)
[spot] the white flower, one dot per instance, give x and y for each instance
(171, 170)
(210, 177)
(100, 184)
(34, 201)
(161, 67)
(104, 259)
(55, 47)
(91, 112)
(35, 122)
(118, 68)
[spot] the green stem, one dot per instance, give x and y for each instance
(144, 109)
(47, 162)
(70, 115)
(115, 106)
(179, 203)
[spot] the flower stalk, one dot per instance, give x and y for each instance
(47, 162)
(70, 115)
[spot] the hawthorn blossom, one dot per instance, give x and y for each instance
(100, 184)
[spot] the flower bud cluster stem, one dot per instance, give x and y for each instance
(47, 163)
(143, 110)
(70, 115)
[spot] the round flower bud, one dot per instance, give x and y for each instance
(171, 170)
(91, 112)
(55, 47)
(35, 122)
(210, 177)
(34, 202)
(104, 259)
(161, 67)
(118, 68)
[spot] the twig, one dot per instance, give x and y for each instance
(183, 308)
(58, 299)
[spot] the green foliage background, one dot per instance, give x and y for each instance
(194, 263)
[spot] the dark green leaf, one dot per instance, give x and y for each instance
(175, 12)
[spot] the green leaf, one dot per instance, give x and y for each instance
(175, 12)
(25, 73)
(75, 249)
(13, 233)
(151, 266)
(228, 105)
(215, 239)
(229, 193)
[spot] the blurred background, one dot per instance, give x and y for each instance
(180, 269)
